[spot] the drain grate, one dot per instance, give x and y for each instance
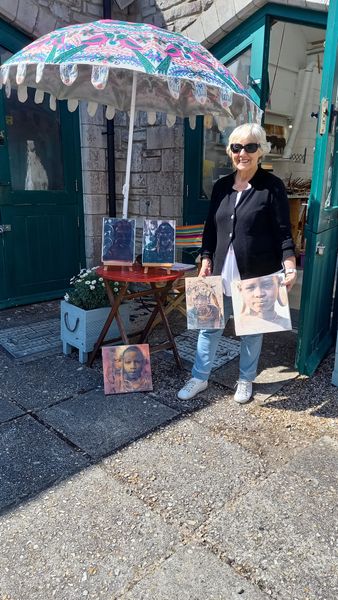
(34, 340)
(227, 350)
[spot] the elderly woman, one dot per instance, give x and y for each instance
(247, 234)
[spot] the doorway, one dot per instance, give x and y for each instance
(41, 213)
(295, 68)
(289, 69)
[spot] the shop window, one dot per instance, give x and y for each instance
(34, 142)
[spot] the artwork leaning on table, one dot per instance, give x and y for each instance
(118, 241)
(158, 243)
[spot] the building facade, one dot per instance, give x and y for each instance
(276, 50)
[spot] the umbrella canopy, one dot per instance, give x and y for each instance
(128, 67)
(96, 62)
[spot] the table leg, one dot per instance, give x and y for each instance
(160, 297)
(113, 299)
(157, 291)
(115, 303)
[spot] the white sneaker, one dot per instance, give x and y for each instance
(192, 388)
(243, 392)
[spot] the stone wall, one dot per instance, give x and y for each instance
(94, 179)
(37, 17)
(156, 169)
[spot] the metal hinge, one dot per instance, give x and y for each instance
(76, 185)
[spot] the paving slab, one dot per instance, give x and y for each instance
(30, 313)
(194, 573)
(101, 424)
(283, 533)
(46, 381)
(8, 410)
(186, 343)
(86, 537)
(315, 395)
(168, 380)
(32, 459)
(318, 464)
(184, 473)
(276, 366)
(252, 428)
(32, 340)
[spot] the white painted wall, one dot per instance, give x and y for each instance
(286, 74)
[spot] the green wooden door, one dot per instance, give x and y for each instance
(41, 221)
(317, 326)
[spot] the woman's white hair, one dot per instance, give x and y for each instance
(252, 130)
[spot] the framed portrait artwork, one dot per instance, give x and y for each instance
(126, 369)
(204, 298)
(158, 243)
(261, 305)
(118, 241)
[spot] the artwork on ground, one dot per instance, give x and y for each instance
(158, 242)
(126, 369)
(118, 241)
(261, 305)
(204, 297)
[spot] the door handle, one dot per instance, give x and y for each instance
(5, 228)
(320, 249)
(2, 138)
(323, 114)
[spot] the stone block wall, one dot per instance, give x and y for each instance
(37, 17)
(94, 180)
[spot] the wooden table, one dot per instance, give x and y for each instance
(159, 282)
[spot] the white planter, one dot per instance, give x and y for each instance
(81, 328)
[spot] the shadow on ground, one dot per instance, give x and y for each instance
(55, 419)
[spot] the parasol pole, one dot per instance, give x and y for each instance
(125, 188)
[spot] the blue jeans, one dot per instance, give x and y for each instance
(207, 343)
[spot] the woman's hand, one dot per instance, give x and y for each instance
(290, 280)
(290, 272)
(206, 268)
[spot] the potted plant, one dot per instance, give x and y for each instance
(84, 311)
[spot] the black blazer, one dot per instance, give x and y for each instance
(258, 227)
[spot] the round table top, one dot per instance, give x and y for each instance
(136, 273)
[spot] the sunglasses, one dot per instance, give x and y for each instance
(249, 148)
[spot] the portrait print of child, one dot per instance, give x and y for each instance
(204, 297)
(158, 242)
(261, 305)
(118, 241)
(126, 369)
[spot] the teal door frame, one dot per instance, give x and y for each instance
(318, 311)
(255, 32)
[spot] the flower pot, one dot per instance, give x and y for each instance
(81, 328)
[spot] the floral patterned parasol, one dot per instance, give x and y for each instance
(128, 67)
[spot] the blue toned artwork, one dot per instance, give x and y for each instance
(118, 241)
(158, 242)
